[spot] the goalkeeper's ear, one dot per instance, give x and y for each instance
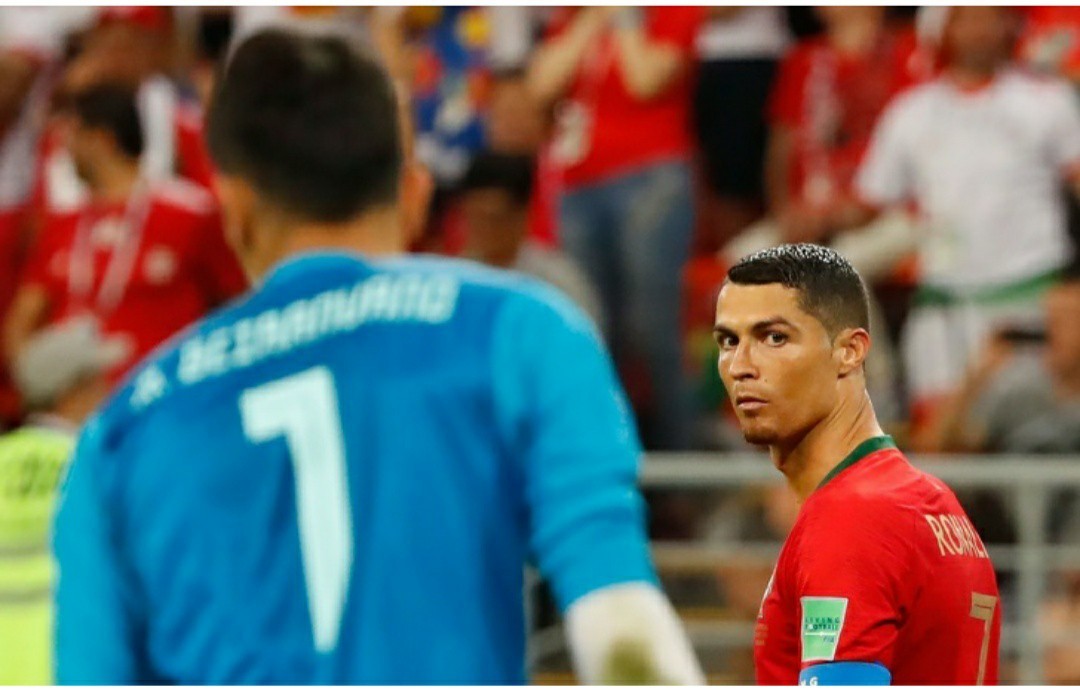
(629, 634)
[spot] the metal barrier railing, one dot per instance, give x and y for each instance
(1029, 480)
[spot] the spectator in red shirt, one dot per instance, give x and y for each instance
(828, 97)
(29, 48)
(131, 46)
(829, 93)
(619, 78)
(144, 259)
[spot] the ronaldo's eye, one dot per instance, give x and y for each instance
(776, 338)
(727, 341)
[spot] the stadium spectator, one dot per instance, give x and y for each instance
(982, 150)
(451, 85)
(133, 46)
(495, 194)
(738, 50)
(142, 258)
(1020, 395)
(60, 374)
(459, 56)
(449, 56)
(519, 124)
(620, 81)
(829, 93)
(28, 49)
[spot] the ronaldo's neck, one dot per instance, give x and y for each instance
(807, 461)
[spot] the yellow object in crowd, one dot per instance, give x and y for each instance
(32, 462)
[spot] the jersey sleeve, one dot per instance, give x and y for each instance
(852, 578)
(97, 622)
(559, 402)
(885, 177)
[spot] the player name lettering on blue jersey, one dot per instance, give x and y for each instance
(380, 298)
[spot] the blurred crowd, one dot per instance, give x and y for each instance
(627, 155)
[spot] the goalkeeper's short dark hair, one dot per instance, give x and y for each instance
(310, 122)
(829, 287)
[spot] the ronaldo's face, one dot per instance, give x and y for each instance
(776, 361)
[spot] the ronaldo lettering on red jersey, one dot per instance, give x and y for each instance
(882, 566)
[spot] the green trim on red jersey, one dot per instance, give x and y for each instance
(863, 449)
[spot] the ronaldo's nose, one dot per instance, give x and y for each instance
(741, 365)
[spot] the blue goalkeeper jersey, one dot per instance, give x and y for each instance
(340, 478)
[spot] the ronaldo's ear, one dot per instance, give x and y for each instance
(851, 347)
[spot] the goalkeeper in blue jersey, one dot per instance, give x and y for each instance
(340, 477)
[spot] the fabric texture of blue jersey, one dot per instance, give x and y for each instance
(476, 424)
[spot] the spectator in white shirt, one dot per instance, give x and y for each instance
(982, 152)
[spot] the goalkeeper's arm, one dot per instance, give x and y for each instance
(629, 634)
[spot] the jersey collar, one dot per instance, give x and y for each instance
(863, 449)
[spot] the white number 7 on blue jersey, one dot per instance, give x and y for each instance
(304, 409)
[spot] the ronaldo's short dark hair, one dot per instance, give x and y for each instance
(829, 288)
(310, 123)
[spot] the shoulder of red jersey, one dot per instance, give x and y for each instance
(185, 196)
(877, 498)
(862, 504)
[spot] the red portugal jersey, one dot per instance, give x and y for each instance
(881, 566)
